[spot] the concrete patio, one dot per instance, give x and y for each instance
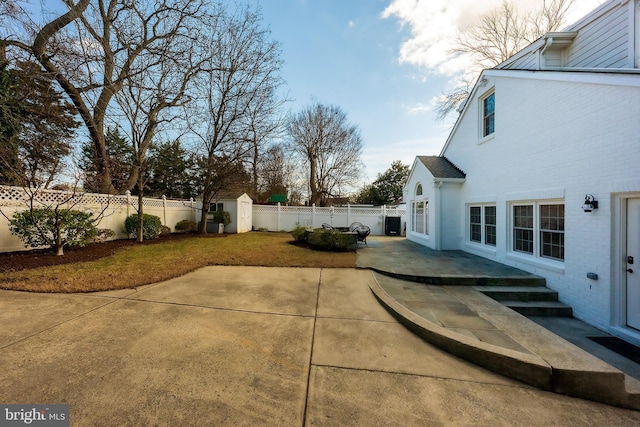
(255, 346)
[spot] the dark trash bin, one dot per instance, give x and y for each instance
(392, 225)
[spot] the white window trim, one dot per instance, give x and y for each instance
(534, 259)
(425, 217)
(482, 138)
(481, 244)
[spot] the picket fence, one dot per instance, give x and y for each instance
(117, 207)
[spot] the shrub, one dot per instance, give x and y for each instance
(164, 230)
(300, 234)
(186, 226)
(54, 228)
(332, 240)
(103, 234)
(222, 217)
(151, 226)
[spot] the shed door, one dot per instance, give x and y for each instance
(245, 217)
(633, 263)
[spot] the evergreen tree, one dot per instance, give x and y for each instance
(120, 158)
(171, 172)
(387, 188)
(36, 126)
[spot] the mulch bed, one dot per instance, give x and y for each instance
(24, 260)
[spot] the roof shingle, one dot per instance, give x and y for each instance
(441, 167)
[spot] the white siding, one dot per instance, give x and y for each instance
(555, 140)
(553, 58)
(603, 43)
(527, 62)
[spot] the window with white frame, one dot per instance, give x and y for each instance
(488, 114)
(420, 217)
(490, 225)
(538, 229)
(552, 231)
(482, 224)
(475, 224)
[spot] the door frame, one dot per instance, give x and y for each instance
(618, 271)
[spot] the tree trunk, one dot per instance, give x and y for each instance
(205, 210)
(313, 185)
(140, 228)
(59, 246)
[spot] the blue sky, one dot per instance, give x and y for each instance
(344, 53)
(381, 61)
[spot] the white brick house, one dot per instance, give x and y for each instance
(558, 122)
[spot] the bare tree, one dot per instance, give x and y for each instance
(329, 146)
(159, 83)
(93, 49)
(275, 171)
(264, 123)
(498, 36)
(238, 92)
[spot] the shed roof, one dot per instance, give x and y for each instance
(441, 167)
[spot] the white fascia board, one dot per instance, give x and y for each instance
(413, 169)
(463, 112)
(450, 180)
(603, 76)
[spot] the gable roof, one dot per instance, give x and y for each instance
(441, 167)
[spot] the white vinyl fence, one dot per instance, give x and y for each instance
(116, 209)
(286, 218)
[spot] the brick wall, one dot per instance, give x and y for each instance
(556, 138)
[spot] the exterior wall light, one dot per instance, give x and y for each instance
(589, 203)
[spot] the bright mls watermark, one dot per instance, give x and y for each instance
(34, 415)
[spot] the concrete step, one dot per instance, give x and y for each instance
(519, 293)
(462, 280)
(540, 308)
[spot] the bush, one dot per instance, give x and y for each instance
(332, 240)
(151, 226)
(222, 217)
(300, 234)
(164, 230)
(103, 234)
(186, 226)
(54, 228)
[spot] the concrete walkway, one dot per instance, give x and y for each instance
(473, 326)
(255, 346)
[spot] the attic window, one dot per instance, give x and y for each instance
(419, 190)
(488, 114)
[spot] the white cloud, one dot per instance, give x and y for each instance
(351, 24)
(433, 25)
(418, 108)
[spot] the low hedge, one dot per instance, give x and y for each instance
(329, 240)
